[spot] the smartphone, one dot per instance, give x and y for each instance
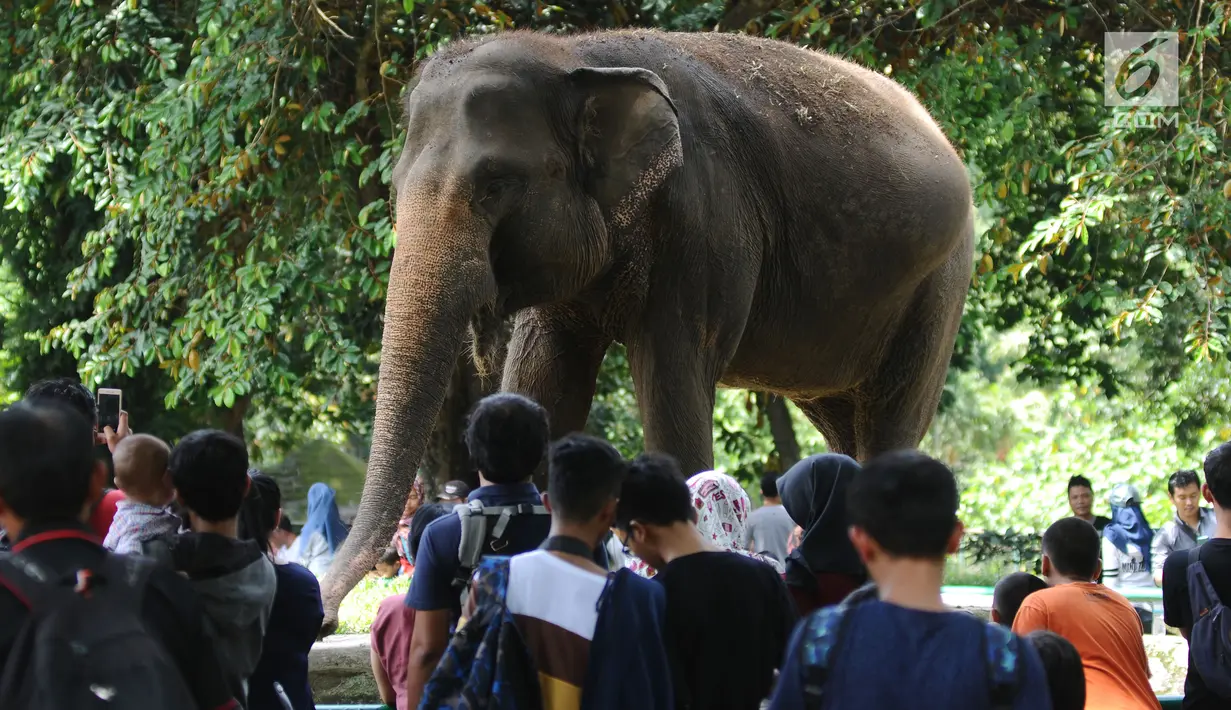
(110, 402)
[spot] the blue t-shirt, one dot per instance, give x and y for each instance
(431, 587)
(894, 657)
(293, 624)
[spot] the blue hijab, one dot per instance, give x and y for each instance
(323, 517)
(1128, 523)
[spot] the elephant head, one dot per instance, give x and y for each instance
(521, 169)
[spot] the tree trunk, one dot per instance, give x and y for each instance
(782, 430)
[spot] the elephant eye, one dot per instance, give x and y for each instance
(496, 189)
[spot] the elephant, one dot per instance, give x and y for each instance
(736, 211)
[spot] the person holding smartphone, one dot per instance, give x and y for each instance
(71, 393)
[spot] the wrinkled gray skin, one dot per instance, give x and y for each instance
(736, 211)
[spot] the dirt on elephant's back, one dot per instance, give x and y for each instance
(812, 89)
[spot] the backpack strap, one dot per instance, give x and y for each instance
(1001, 650)
(476, 542)
(1194, 555)
(822, 634)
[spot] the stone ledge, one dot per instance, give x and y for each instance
(340, 669)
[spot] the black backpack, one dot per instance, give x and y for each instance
(85, 644)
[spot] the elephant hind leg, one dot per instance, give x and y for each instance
(897, 404)
(834, 417)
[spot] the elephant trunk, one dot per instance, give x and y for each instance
(441, 276)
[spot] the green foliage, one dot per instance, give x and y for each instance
(358, 609)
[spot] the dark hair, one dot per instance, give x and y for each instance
(1011, 591)
(1080, 481)
(507, 437)
(69, 393)
(210, 471)
(654, 492)
(769, 485)
(1072, 545)
(907, 502)
(1066, 679)
(1182, 479)
(423, 516)
(260, 509)
(284, 523)
(46, 461)
(584, 473)
(1218, 474)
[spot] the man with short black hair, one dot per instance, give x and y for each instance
(47, 473)
(1098, 621)
(1191, 526)
(906, 648)
(1214, 558)
(770, 526)
(715, 664)
(554, 593)
(507, 437)
(1081, 502)
(235, 578)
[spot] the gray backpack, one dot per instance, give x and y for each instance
(484, 533)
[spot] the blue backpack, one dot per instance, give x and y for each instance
(487, 664)
(824, 630)
(1209, 642)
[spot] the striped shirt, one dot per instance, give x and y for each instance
(555, 606)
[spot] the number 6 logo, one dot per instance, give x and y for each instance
(1141, 69)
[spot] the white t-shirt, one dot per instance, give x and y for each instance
(555, 606)
(1123, 570)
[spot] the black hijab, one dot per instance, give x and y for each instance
(813, 492)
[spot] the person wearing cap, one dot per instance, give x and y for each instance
(454, 493)
(1126, 546)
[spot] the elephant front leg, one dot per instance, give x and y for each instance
(554, 359)
(675, 393)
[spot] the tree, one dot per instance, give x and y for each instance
(195, 193)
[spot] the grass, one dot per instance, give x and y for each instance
(359, 607)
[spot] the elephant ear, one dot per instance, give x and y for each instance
(629, 139)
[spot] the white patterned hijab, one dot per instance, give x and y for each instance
(722, 509)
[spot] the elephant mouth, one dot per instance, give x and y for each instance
(489, 339)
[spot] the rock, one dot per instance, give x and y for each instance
(340, 671)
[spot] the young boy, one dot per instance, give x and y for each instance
(728, 615)
(1100, 622)
(141, 473)
(1009, 594)
(234, 578)
(907, 649)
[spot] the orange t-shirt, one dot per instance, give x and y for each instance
(1106, 631)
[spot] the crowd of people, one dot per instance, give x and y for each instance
(626, 584)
